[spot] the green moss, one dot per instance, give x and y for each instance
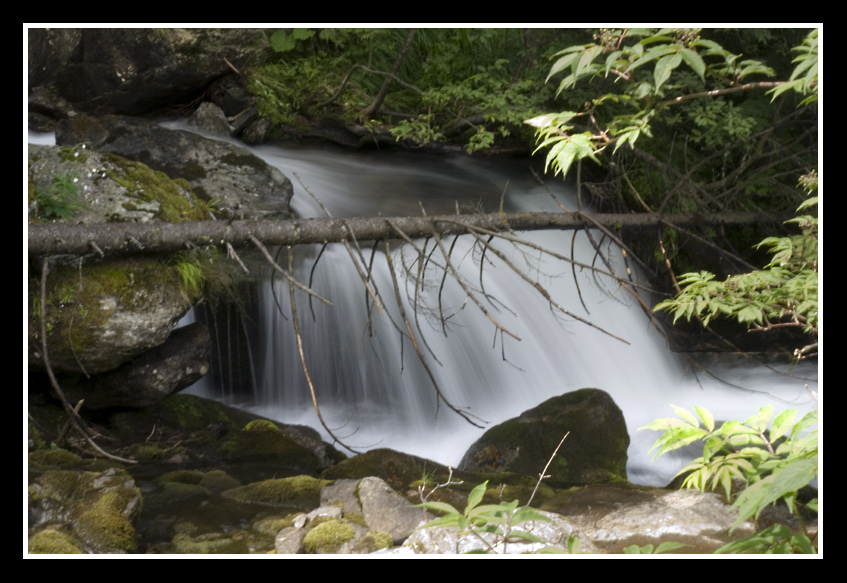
(298, 492)
(396, 468)
(327, 536)
(72, 154)
(53, 542)
(60, 485)
(104, 528)
(261, 425)
(177, 203)
(54, 457)
(80, 305)
(271, 525)
(355, 518)
(217, 481)
(374, 541)
(271, 445)
(209, 544)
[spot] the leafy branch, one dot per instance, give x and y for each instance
(623, 116)
(772, 457)
(783, 294)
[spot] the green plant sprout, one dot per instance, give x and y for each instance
(61, 199)
(500, 520)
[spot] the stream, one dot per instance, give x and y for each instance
(372, 388)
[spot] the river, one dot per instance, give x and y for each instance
(371, 386)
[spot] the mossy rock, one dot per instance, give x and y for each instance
(259, 443)
(54, 458)
(399, 470)
(209, 544)
(218, 481)
(104, 527)
(328, 537)
(302, 492)
(261, 425)
(99, 508)
(271, 525)
(595, 450)
(173, 493)
(53, 542)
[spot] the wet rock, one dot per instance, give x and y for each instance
(595, 450)
(98, 508)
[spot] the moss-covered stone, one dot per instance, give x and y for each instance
(218, 481)
(104, 527)
(176, 203)
(209, 544)
(261, 425)
(173, 493)
(271, 525)
(396, 468)
(373, 541)
(54, 457)
(595, 450)
(298, 492)
(328, 537)
(53, 542)
(93, 314)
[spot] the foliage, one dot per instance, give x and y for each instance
(61, 199)
(653, 71)
(684, 123)
(650, 550)
(783, 294)
(497, 519)
(191, 276)
(804, 79)
(471, 86)
(772, 457)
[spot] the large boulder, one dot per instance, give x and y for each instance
(240, 183)
(102, 313)
(138, 70)
(595, 450)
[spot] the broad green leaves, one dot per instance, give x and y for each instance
(784, 293)
(773, 457)
(650, 70)
(497, 519)
(804, 79)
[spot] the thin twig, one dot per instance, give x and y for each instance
(543, 474)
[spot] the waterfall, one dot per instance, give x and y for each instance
(372, 387)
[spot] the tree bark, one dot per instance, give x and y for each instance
(120, 238)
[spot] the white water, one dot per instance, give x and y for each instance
(375, 398)
(374, 395)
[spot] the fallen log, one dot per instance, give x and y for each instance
(119, 238)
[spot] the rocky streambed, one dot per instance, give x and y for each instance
(212, 479)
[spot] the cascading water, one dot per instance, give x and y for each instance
(371, 386)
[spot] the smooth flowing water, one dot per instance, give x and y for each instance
(371, 385)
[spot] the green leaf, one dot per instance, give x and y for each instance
(759, 541)
(788, 479)
(693, 60)
(706, 416)
(664, 68)
(686, 415)
(475, 497)
(782, 424)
